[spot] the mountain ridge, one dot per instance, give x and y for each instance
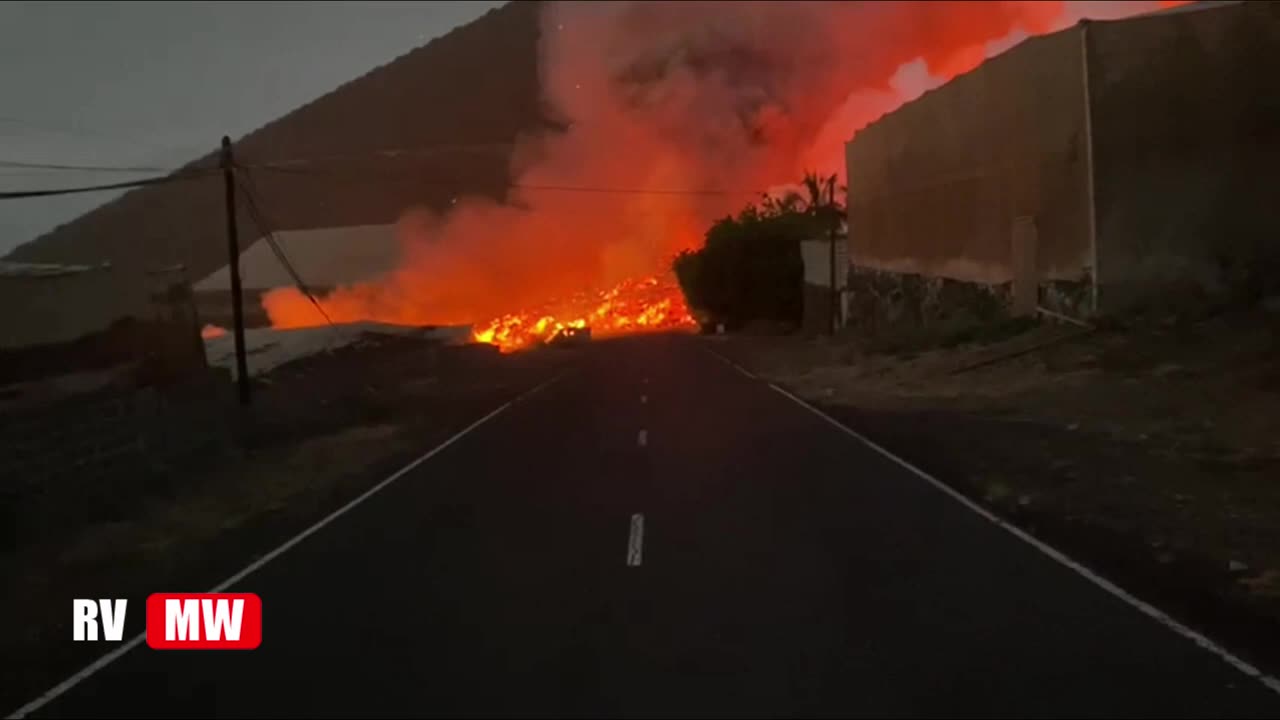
(476, 85)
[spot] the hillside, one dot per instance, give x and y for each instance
(477, 85)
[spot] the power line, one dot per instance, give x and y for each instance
(633, 191)
(309, 166)
(392, 153)
(49, 129)
(85, 168)
(18, 194)
(246, 183)
(526, 186)
(293, 166)
(385, 153)
(269, 236)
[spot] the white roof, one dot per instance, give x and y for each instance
(324, 257)
(268, 348)
(29, 269)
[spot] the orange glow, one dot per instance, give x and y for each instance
(655, 104)
(648, 304)
(209, 332)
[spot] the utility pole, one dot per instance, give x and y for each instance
(835, 221)
(233, 264)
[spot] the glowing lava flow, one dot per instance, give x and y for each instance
(631, 306)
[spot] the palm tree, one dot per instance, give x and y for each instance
(822, 195)
(788, 203)
(816, 189)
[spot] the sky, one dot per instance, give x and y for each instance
(128, 83)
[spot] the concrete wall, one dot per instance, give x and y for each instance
(935, 186)
(816, 255)
(1186, 121)
(44, 310)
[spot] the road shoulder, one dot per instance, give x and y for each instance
(1180, 516)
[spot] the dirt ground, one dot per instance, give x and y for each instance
(321, 430)
(1150, 451)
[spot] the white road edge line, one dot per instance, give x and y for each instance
(732, 364)
(643, 438)
(635, 541)
(1062, 558)
(92, 668)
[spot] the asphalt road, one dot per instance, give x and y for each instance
(785, 569)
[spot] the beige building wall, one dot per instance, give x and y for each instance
(40, 310)
(1186, 116)
(935, 186)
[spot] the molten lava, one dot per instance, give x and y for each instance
(642, 305)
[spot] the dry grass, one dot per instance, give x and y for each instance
(233, 496)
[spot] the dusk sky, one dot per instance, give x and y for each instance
(159, 83)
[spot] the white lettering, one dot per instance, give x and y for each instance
(181, 619)
(215, 620)
(113, 619)
(84, 613)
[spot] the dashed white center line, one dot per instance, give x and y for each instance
(644, 399)
(635, 542)
(643, 438)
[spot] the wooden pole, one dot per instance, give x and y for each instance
(835, 291)
(233, 264)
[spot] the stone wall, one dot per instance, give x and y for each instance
(880, 299)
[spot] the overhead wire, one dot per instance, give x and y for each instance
(316, 165)
(426, 150)
(46, 129)
(245, 181)
(600, 189)
(86, 168)
(420, 151)
(142, 182)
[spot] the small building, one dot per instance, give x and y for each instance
(324, 257)
(1106, 166)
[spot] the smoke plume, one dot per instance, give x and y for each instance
(680, 97)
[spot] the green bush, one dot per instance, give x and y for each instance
(749, 267)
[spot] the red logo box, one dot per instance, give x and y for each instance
(204, 621)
